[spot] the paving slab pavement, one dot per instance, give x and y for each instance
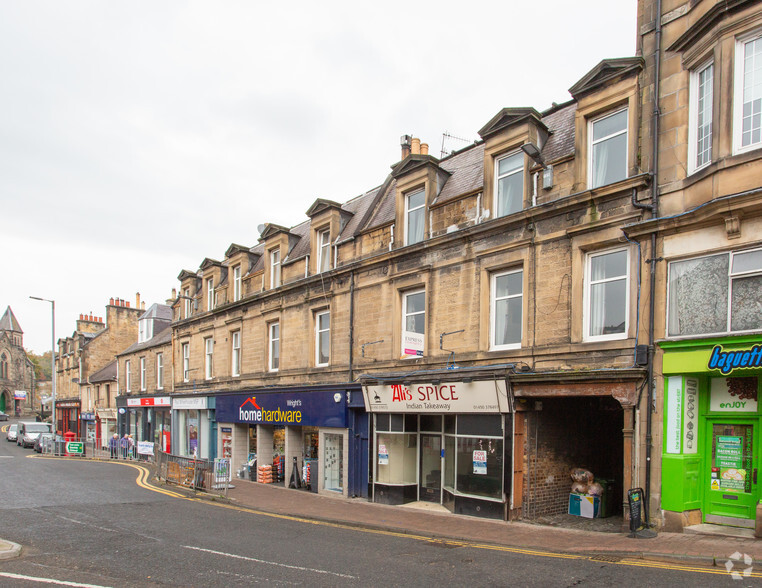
(357, 512)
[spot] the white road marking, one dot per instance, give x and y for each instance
(272, 563)
(87, 524)
(49, 581)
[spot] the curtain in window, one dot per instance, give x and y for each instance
(415, 226)
(698, 296)
(608, 295)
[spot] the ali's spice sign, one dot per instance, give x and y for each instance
(452, 397)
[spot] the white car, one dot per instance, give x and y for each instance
(10, 434)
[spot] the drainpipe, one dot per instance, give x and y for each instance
(351, 323)
(652, 261)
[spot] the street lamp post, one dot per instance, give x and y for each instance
(52, 358)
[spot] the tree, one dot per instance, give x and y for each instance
(41, 365)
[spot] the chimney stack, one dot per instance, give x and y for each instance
(174, 293)
(405, 145)
(137, 300)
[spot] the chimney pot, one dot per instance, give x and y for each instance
(127, 303)
(80, 316)
(111, 301)
(424, 148)
(137, 299)
(416, 146)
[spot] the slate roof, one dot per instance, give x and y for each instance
(105, 374)
(384, 212)
(467, 169)
(561, 125)
(158, 311)
(8, 322)
(302, 246)
(162, 338)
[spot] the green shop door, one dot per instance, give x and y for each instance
(730, 480)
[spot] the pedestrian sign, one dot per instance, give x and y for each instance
(75, 447)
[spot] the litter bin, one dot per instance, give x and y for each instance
(608, 500)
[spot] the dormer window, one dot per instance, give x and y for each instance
(274, 268)
(145, 330)
(608, 149)
(415, 216)
(210, 294)
(510, 184)
(324, 253)
(236, 283)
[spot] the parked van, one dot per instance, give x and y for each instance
(29, 431)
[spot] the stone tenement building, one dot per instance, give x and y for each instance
(579, 288)
(93, 345)
(483, 302)
(16, 370)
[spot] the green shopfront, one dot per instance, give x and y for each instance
(712, 428)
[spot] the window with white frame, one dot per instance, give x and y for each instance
(142, 374)
(607, 295)
(186, 362)
(236, 283)
(210, 294)
(274, 268)
(747, 119)
(415, 216)
(506, 306)
(187, 300)
(322, 338)
(235, 367)
(324, 255)
(700, 123)
(608, 149)
(208, 357)
(715, 294)
(127, 376)
(159, 371)
(413, 324)
(273, 347)
(509, 179)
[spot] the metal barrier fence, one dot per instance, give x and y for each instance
(90, 448)
(196, 474)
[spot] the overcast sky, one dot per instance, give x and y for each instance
(138, 138)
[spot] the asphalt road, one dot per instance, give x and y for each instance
(92, 523)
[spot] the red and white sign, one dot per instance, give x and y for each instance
(453, 397)
(149, 401)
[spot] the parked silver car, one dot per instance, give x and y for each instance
(3, 416)
(10, 434)
(28, 433)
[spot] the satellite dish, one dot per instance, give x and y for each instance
(260, 228)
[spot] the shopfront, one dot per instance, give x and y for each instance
(299, 438)
(68, 417)
(712, 427)
(449, 444)
(193, 427)
(89, 426)
(106, 425)
(149, 419)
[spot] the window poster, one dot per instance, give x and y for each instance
(690, 416)
(480, 462)
(674, 414)
(383, 455)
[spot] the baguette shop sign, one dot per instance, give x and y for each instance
(452, 397)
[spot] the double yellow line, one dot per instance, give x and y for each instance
(144, 473)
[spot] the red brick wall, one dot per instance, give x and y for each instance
(568, 433)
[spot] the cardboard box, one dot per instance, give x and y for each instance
(584, 505)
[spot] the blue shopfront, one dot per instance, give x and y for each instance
(308, 438)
